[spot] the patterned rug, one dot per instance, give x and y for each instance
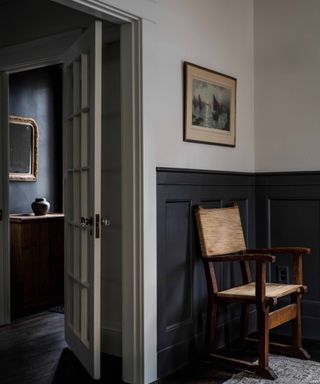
(288, 370)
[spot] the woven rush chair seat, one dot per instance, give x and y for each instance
(222, 240)
(273, 290)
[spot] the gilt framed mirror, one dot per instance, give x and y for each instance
(24, 149)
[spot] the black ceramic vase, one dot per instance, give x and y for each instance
(40, 206)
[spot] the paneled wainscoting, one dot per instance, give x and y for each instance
(277, 209)
(288, 212)
(182, 292)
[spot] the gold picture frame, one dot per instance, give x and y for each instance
(24, 149)
(209, 106)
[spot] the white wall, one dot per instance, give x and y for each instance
(216, 34)
(287, 84)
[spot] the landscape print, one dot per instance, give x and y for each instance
(210, 105)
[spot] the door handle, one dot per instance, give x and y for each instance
(85, 222)
(106, 222)
(1, 215)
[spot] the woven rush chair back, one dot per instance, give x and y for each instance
(220, 231)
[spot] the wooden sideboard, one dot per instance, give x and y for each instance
(36, 262)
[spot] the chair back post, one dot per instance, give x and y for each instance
(246, 272)
(211, 279)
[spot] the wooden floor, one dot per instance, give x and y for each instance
(33, 351)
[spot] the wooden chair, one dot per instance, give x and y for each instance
(221, 239)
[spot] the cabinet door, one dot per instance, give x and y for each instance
(30, 261)
(57, 262)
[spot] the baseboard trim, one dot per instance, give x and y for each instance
(177, 356)
(111, 341)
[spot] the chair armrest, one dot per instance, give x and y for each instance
(261, 272)
(242, 257)
(279, 251)
(295, 252)
(261, 262)
(261, 277)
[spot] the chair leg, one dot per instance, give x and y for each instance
(263, 317)
(297, 334)
(263, 314)
(245, 320)
(211, 326)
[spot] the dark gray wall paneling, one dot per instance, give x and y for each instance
(178, 280)
(277, 209)
(288, 213)
(38, 94)
(182, 292)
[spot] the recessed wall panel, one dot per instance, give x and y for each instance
(178, 264)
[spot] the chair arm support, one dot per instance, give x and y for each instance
(261, 277)
(279, 251)
(243, 257)
(297, 269)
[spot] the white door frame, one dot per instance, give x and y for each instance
(132, 205)
(4, 198)
(133, 343)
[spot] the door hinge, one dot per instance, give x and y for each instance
(97, 226)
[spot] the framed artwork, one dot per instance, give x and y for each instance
(209, 106)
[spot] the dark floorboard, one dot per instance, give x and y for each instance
(33, 351)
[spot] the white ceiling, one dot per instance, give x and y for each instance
(25, 20)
